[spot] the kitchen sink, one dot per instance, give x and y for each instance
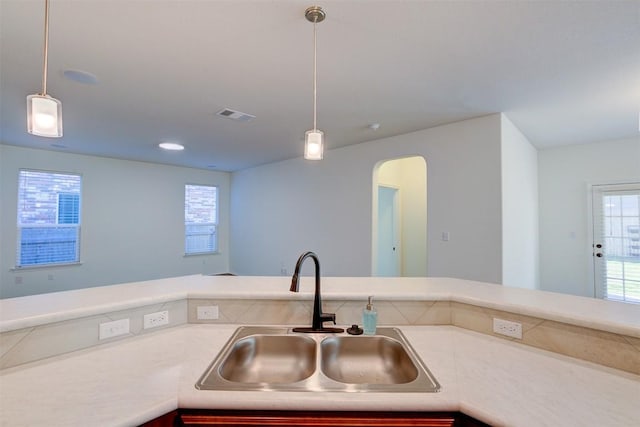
(270, 359)
(277, 359)
(366, 360)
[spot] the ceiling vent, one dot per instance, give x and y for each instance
(235, 115)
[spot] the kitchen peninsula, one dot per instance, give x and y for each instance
(51, 355)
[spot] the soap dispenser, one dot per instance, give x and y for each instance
(369, 318)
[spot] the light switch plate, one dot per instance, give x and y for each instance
(114, 329)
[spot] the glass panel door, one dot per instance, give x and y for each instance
(616, 246)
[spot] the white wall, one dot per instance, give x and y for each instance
(519, 209)
(282, 209)
(564, 173)
(409, 174)
(132, 222)
(3, 208)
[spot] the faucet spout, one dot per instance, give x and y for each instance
(294, 283)
(318, 316)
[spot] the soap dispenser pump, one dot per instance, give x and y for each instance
(369, 318)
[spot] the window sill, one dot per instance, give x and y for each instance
(201, 253)
(39, 267)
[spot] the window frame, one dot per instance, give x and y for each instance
(19, 265)
(214, 224)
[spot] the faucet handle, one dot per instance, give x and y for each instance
(325, 317)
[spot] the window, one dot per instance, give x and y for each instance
(48, 218)
(200, 219)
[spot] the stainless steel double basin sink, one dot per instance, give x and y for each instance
(277, 359)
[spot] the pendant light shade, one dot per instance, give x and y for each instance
(44, 113)
(44, 116)
(314, 139)
(313, 144)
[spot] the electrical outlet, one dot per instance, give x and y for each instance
(154, 320)
(507, 328)
(114, 329)
(207, 312)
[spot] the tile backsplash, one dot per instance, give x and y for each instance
(31, 344)
(604, 348)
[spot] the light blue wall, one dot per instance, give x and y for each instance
(132, 222)
(282, 209)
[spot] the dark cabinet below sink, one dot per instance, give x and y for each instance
(195, 417)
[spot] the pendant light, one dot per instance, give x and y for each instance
(313, 139)
(44, 113)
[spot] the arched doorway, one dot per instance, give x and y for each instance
(399, 231)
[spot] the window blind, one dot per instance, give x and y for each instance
(200, 219)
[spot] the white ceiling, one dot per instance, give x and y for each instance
(565, 72)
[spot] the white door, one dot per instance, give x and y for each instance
(616, 245)
(388, 233)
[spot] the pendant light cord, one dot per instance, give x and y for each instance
(315, 78)
(46, 47)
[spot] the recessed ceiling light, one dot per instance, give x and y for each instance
(172, 146)
(80, 76)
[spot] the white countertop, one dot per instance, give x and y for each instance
(23, 312)
(131, 381)
(134, 380)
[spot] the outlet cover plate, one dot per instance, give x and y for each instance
(153, 320)
(507, 328)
